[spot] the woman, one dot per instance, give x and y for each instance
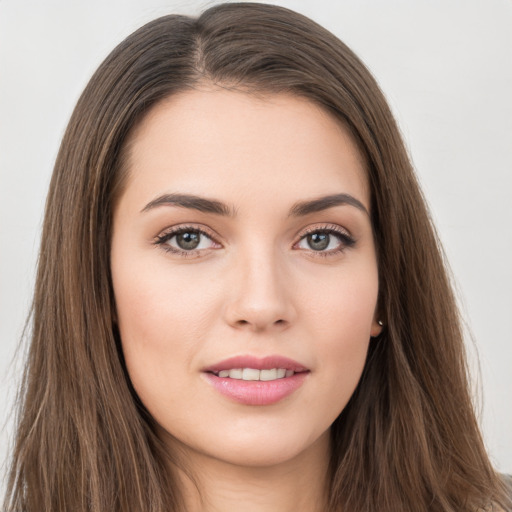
(241, 301)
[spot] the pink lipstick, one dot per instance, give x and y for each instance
(256, 381)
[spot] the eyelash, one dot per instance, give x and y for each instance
(162, 239)
(345, 239)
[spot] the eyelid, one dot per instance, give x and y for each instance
(181, 228)
(336, 228)
(346, 239)
(172, 231)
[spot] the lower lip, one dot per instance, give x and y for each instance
(257, 392)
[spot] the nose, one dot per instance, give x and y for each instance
(261, 296)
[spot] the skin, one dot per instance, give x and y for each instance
(254, 287)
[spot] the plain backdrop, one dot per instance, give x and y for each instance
(446, 69)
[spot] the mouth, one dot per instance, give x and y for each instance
(255, 374)
(256, 381)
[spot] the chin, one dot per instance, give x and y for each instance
(255, 449)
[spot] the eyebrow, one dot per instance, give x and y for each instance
(206, 205)
(190, 201)
(323, 203)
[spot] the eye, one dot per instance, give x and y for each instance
(326, 240)
(185, 240)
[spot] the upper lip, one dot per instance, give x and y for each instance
(257, 363)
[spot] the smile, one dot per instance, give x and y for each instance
(254, 374)
(250, 380)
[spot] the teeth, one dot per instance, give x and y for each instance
(268, 374)
(253, 374)
(236, 373)
(250, 374)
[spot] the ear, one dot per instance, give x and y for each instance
(377, 326)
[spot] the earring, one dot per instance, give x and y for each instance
(380, 322)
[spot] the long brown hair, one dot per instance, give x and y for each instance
(407, 440)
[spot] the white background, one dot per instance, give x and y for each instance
(446, 68)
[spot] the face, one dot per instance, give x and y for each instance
(244, 273)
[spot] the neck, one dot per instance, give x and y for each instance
(299, 484)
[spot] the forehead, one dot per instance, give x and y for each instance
(238, 146)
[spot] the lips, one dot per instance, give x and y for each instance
(256, 381)
(255, 374)
(265, 363)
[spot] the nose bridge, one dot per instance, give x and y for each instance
(260, 297)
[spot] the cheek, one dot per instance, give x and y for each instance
(156, 306)
(162, 324)
(342, 305)
(340, 322)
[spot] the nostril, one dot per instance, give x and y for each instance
(245, 323)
